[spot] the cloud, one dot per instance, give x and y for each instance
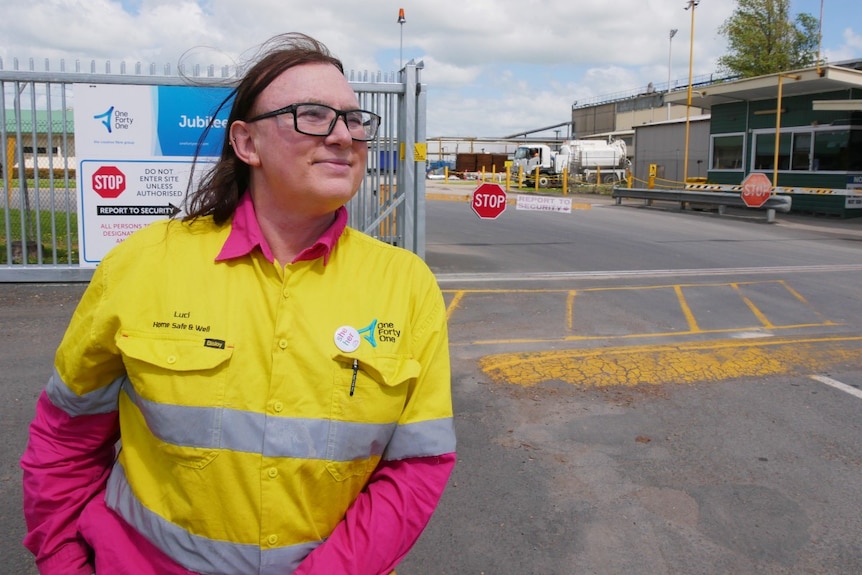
(491, 66)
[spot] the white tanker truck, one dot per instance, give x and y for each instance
(585, 161)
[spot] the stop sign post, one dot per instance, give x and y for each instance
(489, 201)
(756, 189)
(109, 181)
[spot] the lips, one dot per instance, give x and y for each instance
(334, 161)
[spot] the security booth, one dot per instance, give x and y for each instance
(816, 114)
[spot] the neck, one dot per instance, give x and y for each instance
(288, 233)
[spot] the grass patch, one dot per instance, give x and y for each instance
(57, 231)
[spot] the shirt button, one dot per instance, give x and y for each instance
(272, 472)
(272, 539)
(172, 359)
(278, 407)
(286, 293)
(282, 343)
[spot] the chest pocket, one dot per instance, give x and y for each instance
(362, 423)
(179, 387)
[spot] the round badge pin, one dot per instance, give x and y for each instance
(347, 339)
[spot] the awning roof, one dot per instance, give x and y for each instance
(829, 79)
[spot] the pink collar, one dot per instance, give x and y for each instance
(245, 235)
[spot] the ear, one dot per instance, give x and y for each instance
(242, 141)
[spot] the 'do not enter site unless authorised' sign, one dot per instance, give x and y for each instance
(135, 147)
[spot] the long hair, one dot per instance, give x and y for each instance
(224, 184)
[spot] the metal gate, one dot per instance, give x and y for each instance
(39, 172)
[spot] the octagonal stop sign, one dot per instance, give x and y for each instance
(489, 201)
(756, 189)
(109, 181)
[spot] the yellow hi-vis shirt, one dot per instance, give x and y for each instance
(255, 401)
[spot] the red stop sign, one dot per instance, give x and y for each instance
(756, 189)
(109, 181)
(489, 201)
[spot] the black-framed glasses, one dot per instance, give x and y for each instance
(319, 120)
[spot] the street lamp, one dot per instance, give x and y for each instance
(673, 32)
(692, 4)
(401, 21)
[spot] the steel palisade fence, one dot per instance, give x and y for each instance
(38, 171)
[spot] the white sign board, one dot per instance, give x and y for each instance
(544, 204)
(135, 146)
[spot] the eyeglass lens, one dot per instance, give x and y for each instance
(319, 120)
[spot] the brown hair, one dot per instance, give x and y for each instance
(222, 186)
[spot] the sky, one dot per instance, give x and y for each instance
(491, 67)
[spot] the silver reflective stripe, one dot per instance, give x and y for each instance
(245, 431)
(103, 400)
(283, 560)
(349, 441)
(179, 424)
(301, 438)
(421, 439)
(194, 552)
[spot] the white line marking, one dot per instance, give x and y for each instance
(838, 385)
(621, 274)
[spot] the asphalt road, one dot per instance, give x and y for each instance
(636, 391)
(642, 391)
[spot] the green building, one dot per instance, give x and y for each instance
(817, 114)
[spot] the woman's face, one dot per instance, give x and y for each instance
(306, 175)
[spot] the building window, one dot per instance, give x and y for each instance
(838, 150)
(40, 150)
(817, 150)
(801, 159)
(764, 151)
(727, 152)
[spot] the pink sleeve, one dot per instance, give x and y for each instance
(65, 464)
(385, 520)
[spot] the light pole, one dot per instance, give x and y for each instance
(401, 21)
(670, 36)
(692, 4)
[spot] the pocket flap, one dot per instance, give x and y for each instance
(387, 370)
(173, 354)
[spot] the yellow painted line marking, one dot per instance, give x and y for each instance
(686, 311)
(575, 338)
(693, 327)
(453, 305)
(448, 197)
(682, 364)
(612, 288)
(754, 309)
(794, 293)
(802, 299)
(570, 310)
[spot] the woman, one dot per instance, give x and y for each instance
(257, 388)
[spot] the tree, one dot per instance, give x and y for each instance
(762, 39)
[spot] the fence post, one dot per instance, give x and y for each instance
(411, 128)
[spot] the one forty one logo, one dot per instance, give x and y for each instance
(115, 119)
(380, 331)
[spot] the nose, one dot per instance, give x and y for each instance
(340, 132)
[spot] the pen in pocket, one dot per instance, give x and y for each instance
(353, 381)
